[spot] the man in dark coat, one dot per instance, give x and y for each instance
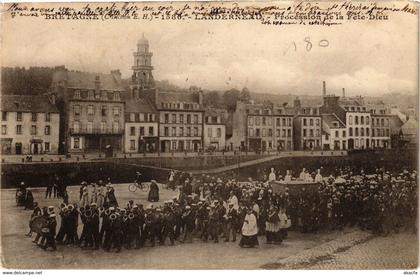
(154, 192)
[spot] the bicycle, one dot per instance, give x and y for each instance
(144, 187)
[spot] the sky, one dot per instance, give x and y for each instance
(366, 58)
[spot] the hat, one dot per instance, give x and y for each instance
(158, 209)
(112, 208)
(22, 183)
(208, 208)
(52, 215)
(93, 204)
(187, 207)
(135, 206)
(153, 181)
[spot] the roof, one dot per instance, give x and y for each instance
(173, 97)
(138, 106)
(349, 102)
(27, 103)
(86, 80)
(215, 112)
(329, 119)
(410, 127)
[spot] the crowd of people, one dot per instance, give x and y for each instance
(221, 208)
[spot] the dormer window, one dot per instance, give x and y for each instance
(117, 96)
(77, 94)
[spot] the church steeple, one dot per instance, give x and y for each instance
(142, 77)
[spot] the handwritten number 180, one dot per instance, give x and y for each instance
(321, 43)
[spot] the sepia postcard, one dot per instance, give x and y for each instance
(209, 135)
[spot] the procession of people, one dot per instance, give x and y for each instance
(210, 208)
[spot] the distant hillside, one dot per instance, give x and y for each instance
(22, 81)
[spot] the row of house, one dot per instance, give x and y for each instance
(91, 112)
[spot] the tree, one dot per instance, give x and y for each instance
(211, 99)
(230, 98)
(245, 95)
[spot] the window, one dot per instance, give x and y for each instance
(336, 134)
(311, 122)
(304, 132)
(97, 94)
(283, 121)
(181, 118)
(141, 117)
(367, 120)
(257, 132)
(367, 132)
(350, 120)
(219, 132)
(132, 131)
(304, 122)
(47, 146)
(317, 122)
(174, 145)
(90, 110)
(166, 118)
(270, 132)
(165, 130)
(142, 131)
(19, 116)
(90, 94)
(4, 129)
(209, 133)
(311, 132)
(188, 131)
(289, 132)
(277, 121)
(188, 119)
(76, 143)
(103, 127)
(356, 132)
(150, 131)
(34, 117)
(195, 119)
(250, 121)
(47, 130)
(33, 130)
(4, 116)
(269, 121)
(132, 144)
(196, 131)
(356, 120)
(263, 132)
(76, 127)
(257, 121)
(47, 117)
(174, 131)
(317, 132)
(115, 127)
(116, 110)
(362, 120)
(117, 96)
(386, 122)
(76, 109)
(362, 132)
(181, 131)
(264, 121)
(251, 132)
(173, 118)
(284, 133)
(277, 133)
(77, 94)
(90, 127)
(387, 132)
(382, 122)
(104, 111)
(132, 117)
(344, 133)
(18, 129)
(350, 132)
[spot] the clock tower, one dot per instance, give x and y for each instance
(142, 78)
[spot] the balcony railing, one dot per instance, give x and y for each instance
(96, 131)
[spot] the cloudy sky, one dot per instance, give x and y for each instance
(365, 58)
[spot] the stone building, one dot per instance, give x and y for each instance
(334, 135)
(215, 129)
(307, 128)
(141, 127)
(180, 120)
(92, 110)
(29, 125)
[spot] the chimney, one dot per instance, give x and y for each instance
(344, 92)
(97, 83)
(324, 89)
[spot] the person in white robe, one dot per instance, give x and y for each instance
(272, 176)
(249, 230)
